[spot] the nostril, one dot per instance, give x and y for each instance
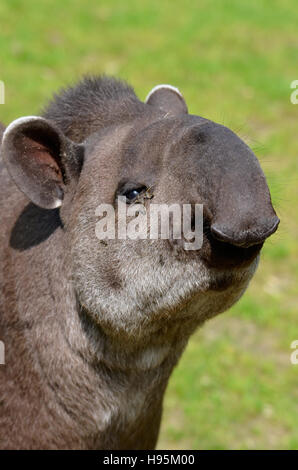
(245, 238)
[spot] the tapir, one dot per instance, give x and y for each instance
(93, 328)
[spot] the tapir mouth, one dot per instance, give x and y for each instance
(219, 254)
(226, 256)
(221, 251)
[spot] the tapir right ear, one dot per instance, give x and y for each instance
(168, 98)
(40, 159)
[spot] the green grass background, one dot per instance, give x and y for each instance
(234, 61)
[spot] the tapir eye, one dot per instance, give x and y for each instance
(132, 194)
(131, 191)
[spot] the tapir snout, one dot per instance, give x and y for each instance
(232, 186)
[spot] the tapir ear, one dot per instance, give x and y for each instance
(40, 159)
(167, 98)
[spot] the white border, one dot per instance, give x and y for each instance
(19, 121)
(159, 87)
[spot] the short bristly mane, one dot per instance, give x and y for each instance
(94, 103)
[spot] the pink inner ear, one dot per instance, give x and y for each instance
(33, 153)
(39, 158)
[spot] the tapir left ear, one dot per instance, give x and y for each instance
(40, 159)
(168, 99)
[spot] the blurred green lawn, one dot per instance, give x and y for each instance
(234, 61)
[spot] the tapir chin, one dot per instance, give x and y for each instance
(93, 328)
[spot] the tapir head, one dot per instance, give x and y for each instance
(138, 287)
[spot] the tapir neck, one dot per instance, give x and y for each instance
(81, 391)
(117, 405)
